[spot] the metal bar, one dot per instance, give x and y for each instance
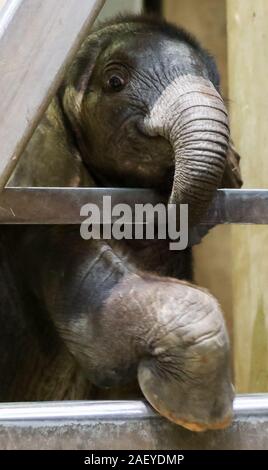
(38, 39)
(244, 405)
(124, 425)
(239, 206)
(62, 205)
(75, 410)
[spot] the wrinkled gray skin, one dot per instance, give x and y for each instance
(140, 107)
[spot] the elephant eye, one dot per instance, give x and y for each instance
(116, 83)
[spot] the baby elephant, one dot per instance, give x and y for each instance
(139, 107)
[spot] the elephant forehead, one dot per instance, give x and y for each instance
(151, 51)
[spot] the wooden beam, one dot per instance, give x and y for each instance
(37, 40)
(248, 71)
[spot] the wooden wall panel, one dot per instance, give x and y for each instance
(248, 85)
(206, 19)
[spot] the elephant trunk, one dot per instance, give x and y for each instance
(191, 114)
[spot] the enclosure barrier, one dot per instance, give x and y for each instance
(124, 425)
(43, 37)
(63, 205)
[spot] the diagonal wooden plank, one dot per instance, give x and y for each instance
(37, 40)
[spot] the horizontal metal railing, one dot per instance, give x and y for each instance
(62, 205)
(124, 425)
(244, 406)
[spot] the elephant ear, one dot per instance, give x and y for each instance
(232, 173)
(75, 86)
(51, 158)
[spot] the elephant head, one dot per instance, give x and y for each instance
(143, 101)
